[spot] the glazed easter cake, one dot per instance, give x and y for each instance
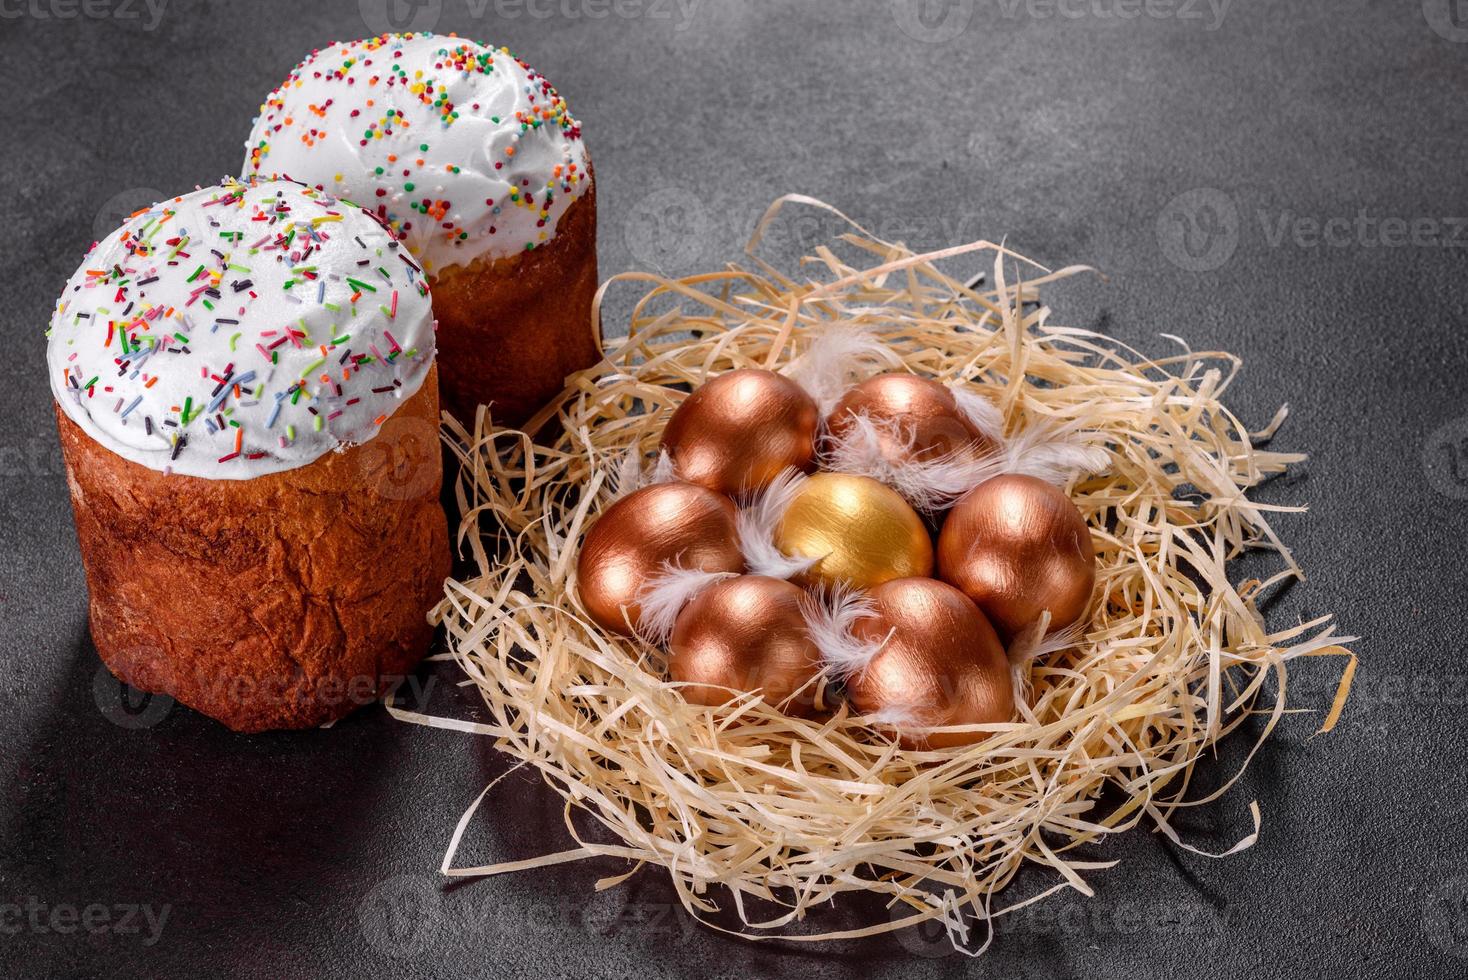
(475, 162)
(246, 391)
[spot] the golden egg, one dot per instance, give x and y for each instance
(940, 664)
(669, 523)
(746, 634)
(918, 418)
(737, 432)
(862, 531)
(1017, 546)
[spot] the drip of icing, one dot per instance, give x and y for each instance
(463, 150)
(240, 330)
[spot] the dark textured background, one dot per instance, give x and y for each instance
(1183, 154)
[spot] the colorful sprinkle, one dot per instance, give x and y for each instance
(284, 262)
(379, 90)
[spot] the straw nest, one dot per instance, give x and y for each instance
(795, 812)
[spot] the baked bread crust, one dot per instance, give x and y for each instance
(283, 601)
(511, 329)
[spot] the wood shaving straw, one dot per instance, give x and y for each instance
(797, 812)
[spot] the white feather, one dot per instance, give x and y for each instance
(1051, 453)
(1019, 677)
(662, 470)
(1036, 640)
(930, 485)
(829, 618)
(630, 474)
(664, 595)
(627, 474)
(757, 521)
(984, 414)
(1029, 645)
(836, 359)
(1054, 454)
(904, 719)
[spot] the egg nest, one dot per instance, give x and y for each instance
(743, 802)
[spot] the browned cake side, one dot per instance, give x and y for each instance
(283, 601)
(511, 329)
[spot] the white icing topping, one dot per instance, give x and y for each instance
(462, 149)
(240, 330)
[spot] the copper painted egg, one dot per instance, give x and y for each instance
(918, 409)
(1017, 546)
(940, 664)
(748, 634)
(676, 523)
(737, 432)
(862, 531)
